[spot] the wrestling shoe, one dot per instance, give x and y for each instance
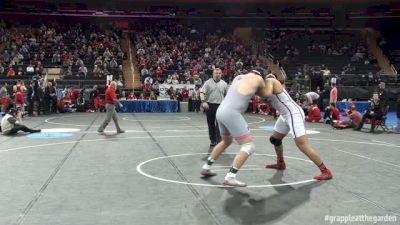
(208, 173)
(278, 166)
(232, 181)
(326, 175)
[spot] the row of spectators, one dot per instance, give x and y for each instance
(293, 43)
(42, 97)
(176, 53)
(80, 50)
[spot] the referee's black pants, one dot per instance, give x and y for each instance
(213, 129)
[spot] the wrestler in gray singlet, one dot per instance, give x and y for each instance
(229, 114)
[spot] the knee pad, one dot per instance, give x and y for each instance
(249, 148)
(275, 141)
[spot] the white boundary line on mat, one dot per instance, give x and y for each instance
(140, 171)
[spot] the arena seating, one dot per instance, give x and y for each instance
(318, 50)
(164, 50)
(188, 51)
(64, 46)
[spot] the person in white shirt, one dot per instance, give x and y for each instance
(123, 96)
(83, 71)
(310, 98)
(30, 69)
(11, 123)
(326, 72)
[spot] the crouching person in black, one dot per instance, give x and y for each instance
(11, 123)
(80, 103)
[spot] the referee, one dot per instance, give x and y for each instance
(211, 94)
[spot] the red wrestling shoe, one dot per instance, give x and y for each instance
(278, 166)
(326, 175)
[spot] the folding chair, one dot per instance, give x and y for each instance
(381, 122)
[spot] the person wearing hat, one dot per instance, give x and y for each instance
(11, 123)
(333, 94)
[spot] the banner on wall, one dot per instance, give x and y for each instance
(163, 88)
(122, 24)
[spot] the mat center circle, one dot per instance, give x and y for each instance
(140, 171)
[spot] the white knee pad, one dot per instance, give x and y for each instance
(249, 148)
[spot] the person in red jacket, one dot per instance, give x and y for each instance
(314, 114)
(96, 103)
(74, 95)
(335, 112)
(353, 119)
(331, 114)
(141, 96)
(19, 91)
(111, 100)
(147, 85)
(131, 96)
(256, 103)
(5, 103)
(185, 94)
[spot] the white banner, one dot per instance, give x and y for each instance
(163, 88)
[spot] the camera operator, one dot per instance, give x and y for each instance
(11, 123)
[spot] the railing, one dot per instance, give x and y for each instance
(298, 85)
(80, 83)
(363, 79)
(16, 78)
